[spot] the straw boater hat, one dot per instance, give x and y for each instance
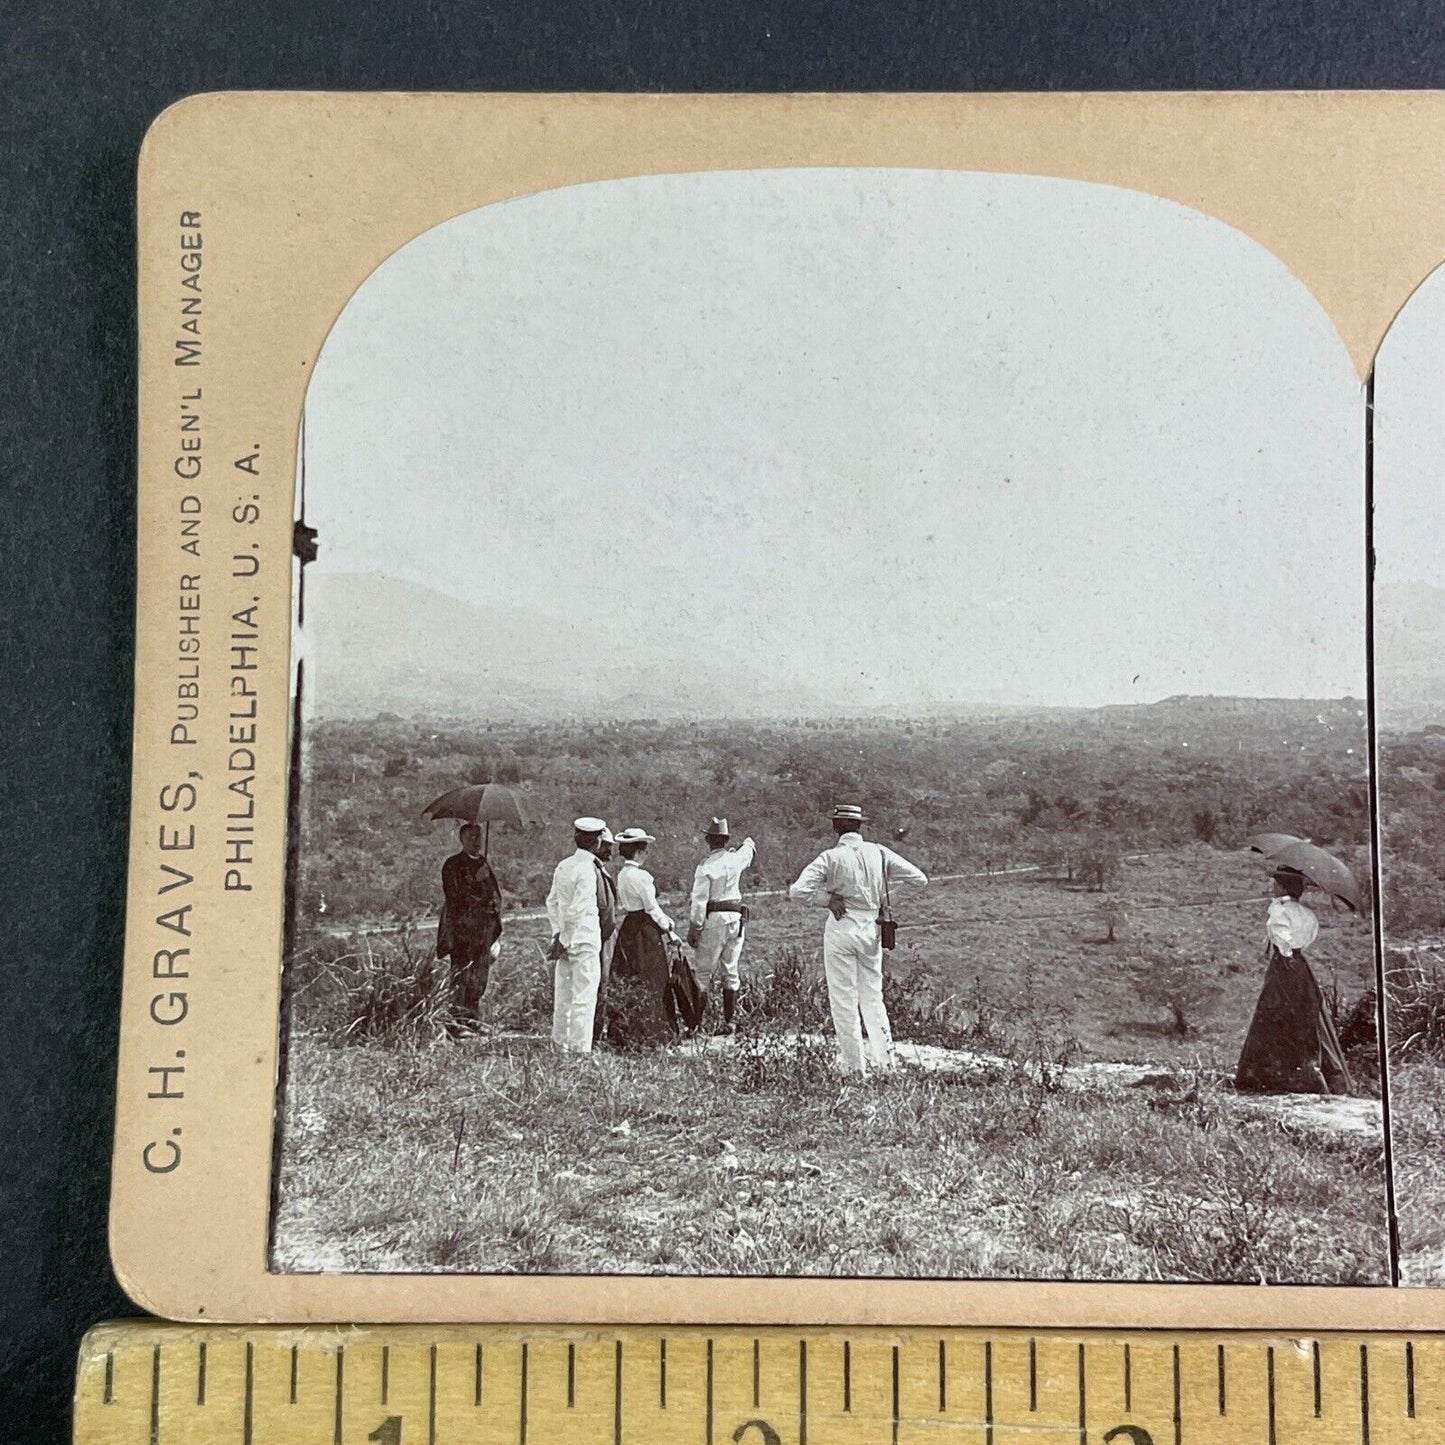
(849, 813)
(717, 828)
(634, 835)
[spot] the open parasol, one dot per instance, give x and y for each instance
(1270, 843)
(1322, 869)
(484, 803)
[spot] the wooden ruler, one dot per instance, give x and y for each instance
(144, 1383)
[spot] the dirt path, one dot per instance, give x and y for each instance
(677, 901)
(1330, 1115)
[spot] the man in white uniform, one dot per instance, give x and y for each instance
(852, 879)
(716, 918)
(572, 910)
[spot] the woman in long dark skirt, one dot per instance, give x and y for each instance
(640, 960)
(1292, 1046)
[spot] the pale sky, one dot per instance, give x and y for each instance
(1410, 441)
(910, 437)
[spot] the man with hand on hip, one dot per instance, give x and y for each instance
(853, 880)
(717, 919)
(575, 915)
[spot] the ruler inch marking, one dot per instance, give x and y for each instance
(1034, 1374)
(295, 1361)
(155, 1434)
(477, 1378)
(248, 1407)
(1318, 1383)
(942, 1377)
(431, 1398)
(522, 1407)
(895, 1395)
(385, 1373)
(1083, 1401)
(616, 1395)
(662, 1373)
(1221, 1380)
(757, 1371)
(108, 1395)
(1410, 1379)
(1364, 1395)
(571, 1375)
(802, 1392)
(1128, 1382)
(1178, 1402)
(988, 1392)
(201, 1374)
(336, 1434)
(708, 1421)
(1269, 1392)
(847, 1378)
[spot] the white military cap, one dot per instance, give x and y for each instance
(589, 825)
(607, 834)
(634, 835)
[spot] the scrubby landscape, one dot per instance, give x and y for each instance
(1071, 993)
(1412, 824)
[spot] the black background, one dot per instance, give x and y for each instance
(79, 82)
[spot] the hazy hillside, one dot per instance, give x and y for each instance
(1410, 654)
(378, 644)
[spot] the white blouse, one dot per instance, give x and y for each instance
(1291, 926)
(637, 893)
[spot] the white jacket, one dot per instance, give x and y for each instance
(572, 900)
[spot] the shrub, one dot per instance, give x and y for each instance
(1181, 982)
(385, 991)
(1415, 985)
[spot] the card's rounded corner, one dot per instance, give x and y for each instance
(156, 142)
(133, 1273)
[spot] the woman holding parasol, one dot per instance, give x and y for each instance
(1292, 1046)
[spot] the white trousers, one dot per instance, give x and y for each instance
(853, 964)
(574, 997)
(721, 944)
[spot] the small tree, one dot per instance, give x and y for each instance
(1099, 863)
(1113, 918)
(1180, 981)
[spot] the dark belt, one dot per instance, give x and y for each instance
(725, 905)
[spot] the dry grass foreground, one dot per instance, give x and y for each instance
(500, 1156)
(1026, 1151)
(1417, 1113)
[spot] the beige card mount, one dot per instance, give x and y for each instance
(661, 457)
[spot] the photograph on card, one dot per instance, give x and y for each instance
(830, 739)
(1408, 489)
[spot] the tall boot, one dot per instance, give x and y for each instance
(730, 1005)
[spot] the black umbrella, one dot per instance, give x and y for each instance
(484, 803)
(1322, 869)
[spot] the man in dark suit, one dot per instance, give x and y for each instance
(474, 917)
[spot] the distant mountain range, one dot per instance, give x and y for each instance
(379, 644)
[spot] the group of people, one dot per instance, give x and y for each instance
(610, 928)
